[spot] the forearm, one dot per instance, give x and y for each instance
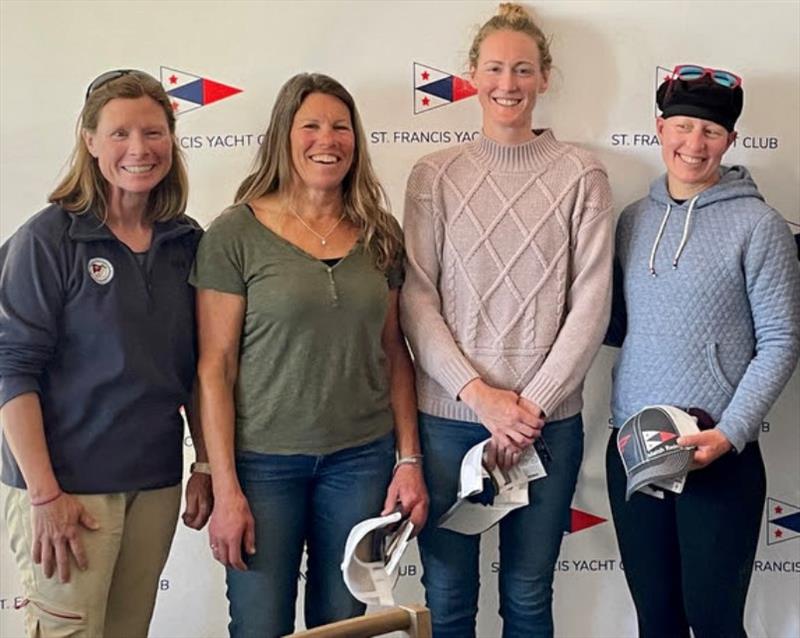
(434, 346)
(422, 315)
(583, 328)
(195, 426)
(763, 381)
(23, 426)
(772, 277)
(404, 401)
(218, 418)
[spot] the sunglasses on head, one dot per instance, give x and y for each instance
(108, 76)
(691, 72)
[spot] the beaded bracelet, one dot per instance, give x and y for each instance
(47, 500)
(411, 459)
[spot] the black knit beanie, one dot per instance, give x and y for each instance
(702, 98)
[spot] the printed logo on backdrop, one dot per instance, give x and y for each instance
(432, 89)
(782, 523)
(650, 139)
(189, 92)
(12, 603)
(580, 520)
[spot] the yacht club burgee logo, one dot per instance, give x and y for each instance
(580, 520)
(434, 88)
(189, 92)
(783, 521)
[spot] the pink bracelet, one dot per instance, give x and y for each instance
(47, 500)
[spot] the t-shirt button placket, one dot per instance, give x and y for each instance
(334, 293)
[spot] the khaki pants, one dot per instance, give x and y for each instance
(115, 596)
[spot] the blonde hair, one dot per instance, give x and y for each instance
(512, 17)
(85, 189)
(365, 202)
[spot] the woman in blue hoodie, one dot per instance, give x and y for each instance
(708, 305)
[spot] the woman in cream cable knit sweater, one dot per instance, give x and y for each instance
(507, 295)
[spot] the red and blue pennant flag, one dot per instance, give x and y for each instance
(434, 88)
(783, 521)
(188, 92)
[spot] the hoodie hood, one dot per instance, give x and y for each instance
(735, 182)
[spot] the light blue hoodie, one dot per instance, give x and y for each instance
(712, 294)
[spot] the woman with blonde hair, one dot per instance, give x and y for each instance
(509, 242)
(306, 383)
(97, 357)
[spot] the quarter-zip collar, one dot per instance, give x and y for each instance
(87, 227)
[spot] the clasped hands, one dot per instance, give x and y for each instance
(513, 421)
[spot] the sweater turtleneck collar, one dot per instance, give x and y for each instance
(514, 158)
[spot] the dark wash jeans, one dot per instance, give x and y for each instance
(297, 499)
(530, 537)
(688, 558)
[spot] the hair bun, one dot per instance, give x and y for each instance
(512, 11)
(512, 17)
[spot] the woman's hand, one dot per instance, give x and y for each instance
(408, 489)
(232, 528)
(513, 424)
(56, 530)
(503, 457)
(710, 444)
(199, 500)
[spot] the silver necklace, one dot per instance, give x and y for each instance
(323, 239)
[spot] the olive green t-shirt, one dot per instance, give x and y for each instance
(312, 376)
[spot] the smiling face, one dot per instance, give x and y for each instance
(509, 77)
(132, 145)
(692, 150)
(322, 142)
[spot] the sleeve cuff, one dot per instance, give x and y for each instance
(11, 386)
(455, 374)
(544, 392)
(737, 436)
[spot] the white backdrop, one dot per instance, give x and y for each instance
(607, 58)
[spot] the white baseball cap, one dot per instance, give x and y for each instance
(371, 554)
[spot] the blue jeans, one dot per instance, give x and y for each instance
(297, 499)
(530, 537)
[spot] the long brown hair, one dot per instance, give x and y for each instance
(84, 188)
(365, 202)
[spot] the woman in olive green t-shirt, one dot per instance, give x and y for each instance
(307, 389)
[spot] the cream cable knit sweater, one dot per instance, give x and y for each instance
(509, 272)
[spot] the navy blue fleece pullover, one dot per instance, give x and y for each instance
(107, 343)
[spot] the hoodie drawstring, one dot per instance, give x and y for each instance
(661, 228)
(684, 236)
